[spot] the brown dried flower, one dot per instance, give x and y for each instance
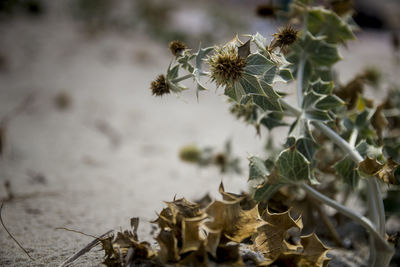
(160, 86)
(285, 37)
(226, 66)
(177, 47)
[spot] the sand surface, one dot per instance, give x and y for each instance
(112, 154)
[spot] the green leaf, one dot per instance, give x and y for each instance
(260, 41)
(323, 22)
(185, 62)
(318, 53)
(347, 170)
(322, 87)
(200, 56)
(292, 166)
(257, 64)
(307, 147)
(236, 92)
(329, 102)
(300, 128)
(318, 115)
(272, 120)
(266, 191)
(259, 169)
(285, 75)
(367, 150)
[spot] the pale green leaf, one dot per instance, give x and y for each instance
(292, 166)
(323, 22)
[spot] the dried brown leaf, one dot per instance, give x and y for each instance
(313, 254)
(314, 251)
(191, 239)
(246, 201)
(387, 173)
(370, 166)
(235, 223)
(168, 246)
(379, 121)
(270, 237)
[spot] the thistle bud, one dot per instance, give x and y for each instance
(226, 66)
(177, 47)
(159, 86)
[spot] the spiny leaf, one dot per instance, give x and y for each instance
(258, 168)
(270, 237)
(292, 166)
(319, 52)
(326, 23)
(260, 41)
(258, 64)
(314, 251)
(314, 254)
(168, 246)
(191, 240)
(265, 191)
(234, 223)
(390, 172)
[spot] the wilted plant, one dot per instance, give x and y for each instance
(336, 122)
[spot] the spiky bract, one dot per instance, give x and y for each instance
(160, 86)
(177, 47)
(285, 37)
(226, 66)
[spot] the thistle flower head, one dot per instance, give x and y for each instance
(177, 47)
(226, 66)
(285, 37)
(160, 86)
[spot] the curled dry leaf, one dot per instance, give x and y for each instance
(385, 172)
(126, 248)
(313, 254)
(270, 238)
(192, 236)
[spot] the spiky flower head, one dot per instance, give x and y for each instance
(177, 47)
(285, 37)
(226, 66)
(160, 86)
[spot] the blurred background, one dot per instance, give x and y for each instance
(85, 145)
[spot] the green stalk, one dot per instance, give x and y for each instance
(179, 79)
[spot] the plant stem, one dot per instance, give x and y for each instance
(365, 222)
(179, 79)
(376, 207)
(300, 77)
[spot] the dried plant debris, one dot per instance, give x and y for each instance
(217, 235)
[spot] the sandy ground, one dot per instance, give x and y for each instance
(112, 154)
